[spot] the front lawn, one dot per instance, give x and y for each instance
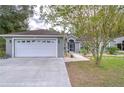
(109, 73)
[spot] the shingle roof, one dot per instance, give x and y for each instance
(37, 32)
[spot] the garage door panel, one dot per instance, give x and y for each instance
(39, 48)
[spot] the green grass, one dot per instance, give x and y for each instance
(109, 73)
(113, 62)
(120, 52)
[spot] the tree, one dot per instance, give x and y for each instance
(14, 18)
(96, 26)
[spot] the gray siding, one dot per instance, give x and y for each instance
(60, 47)
(9, 47)
(77, 47)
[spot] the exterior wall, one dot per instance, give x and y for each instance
(60, 47)
(77, 47)
(9, 46)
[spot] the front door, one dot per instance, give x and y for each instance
(71, 45)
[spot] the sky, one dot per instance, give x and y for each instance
(36, 25)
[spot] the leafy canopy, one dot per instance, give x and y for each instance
(14, 18)
(96, 26)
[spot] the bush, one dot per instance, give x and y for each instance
(2, 53)
(112, 50)
(83, 51)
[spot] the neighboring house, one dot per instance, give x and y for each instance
(72, 43)
(118, 42)
(37, 43)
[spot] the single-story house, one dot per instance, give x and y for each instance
(45, 43)
(40, 43)
(35, 43)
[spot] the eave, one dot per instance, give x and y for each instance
(29, 36)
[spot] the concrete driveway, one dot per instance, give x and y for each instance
(33, 72)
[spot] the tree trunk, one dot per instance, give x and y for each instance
(97, 58)
(98, 61)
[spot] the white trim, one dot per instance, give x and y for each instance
(56, 47)
(13, 46)
(71, 39)
(13, 39)
(34, 38)
(71, 36)
(31, 35)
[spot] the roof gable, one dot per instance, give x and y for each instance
(71, 36)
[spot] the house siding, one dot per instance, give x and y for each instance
(9, 46)
(77, 47)
(60, 47)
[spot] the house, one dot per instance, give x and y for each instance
(117, 42)
(35, 43)
(40, 43)
(45, 43)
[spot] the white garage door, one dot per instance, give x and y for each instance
(36, 48)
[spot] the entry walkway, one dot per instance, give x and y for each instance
(76, 57)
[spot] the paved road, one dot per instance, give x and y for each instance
(33, 72)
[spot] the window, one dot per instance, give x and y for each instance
(10, 41)
(58, 41)
(33, 40)
(23, 41)
(28, 41)
(119, 46)
(38, 40)
(52, 41)
(48, 41)
(18, 41)
(44, 41)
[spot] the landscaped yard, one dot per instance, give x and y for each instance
(109, 73)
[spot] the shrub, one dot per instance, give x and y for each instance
(83, 51)
(2, 53)
(112, 50)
